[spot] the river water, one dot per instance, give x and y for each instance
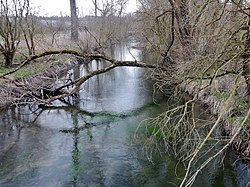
(91, 140)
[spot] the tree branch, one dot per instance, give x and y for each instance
(77, 83)
(46, 53)
(60, 92)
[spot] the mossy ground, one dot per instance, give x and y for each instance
(30, 69)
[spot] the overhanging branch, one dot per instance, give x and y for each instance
(69, 52)
(61, 92)
(77, 83)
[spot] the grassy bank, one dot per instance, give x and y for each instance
(31, 69)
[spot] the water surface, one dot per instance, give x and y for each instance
(92, 141)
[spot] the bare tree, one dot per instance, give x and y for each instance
(110, 27)
(181, 14)
(11, 16)
(209, 45)
(28, 28)
(74, 20)
(246, 66)
(110, 7)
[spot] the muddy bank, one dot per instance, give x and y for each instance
(212, 96)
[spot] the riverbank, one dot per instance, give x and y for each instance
(24, 88)
(21, 87)
(107, 152)
(213, 96)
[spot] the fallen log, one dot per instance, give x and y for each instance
(48, 95)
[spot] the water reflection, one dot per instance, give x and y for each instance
(75, 152)
(88, 140)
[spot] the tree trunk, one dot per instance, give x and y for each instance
(74, 21)
(246, 56)
(95, 8)
(8, 59)
(181, 12)
(246, 74)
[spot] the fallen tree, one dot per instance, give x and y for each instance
(47, 94)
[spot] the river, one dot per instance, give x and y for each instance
(91, 140)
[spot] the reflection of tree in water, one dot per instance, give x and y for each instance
(80, 173)
(13, 121)
(77, 166)
(76, 170)
(75, 152)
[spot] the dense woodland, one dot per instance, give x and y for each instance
(196, 47)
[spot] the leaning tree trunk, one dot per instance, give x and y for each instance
(246, 74)
(181, 14)
(74, 21)
(246, 65)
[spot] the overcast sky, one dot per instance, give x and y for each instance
(61, 7)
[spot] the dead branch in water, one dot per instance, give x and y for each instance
(64, 91)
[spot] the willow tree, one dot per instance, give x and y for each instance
(11, 17)
(207, 42)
